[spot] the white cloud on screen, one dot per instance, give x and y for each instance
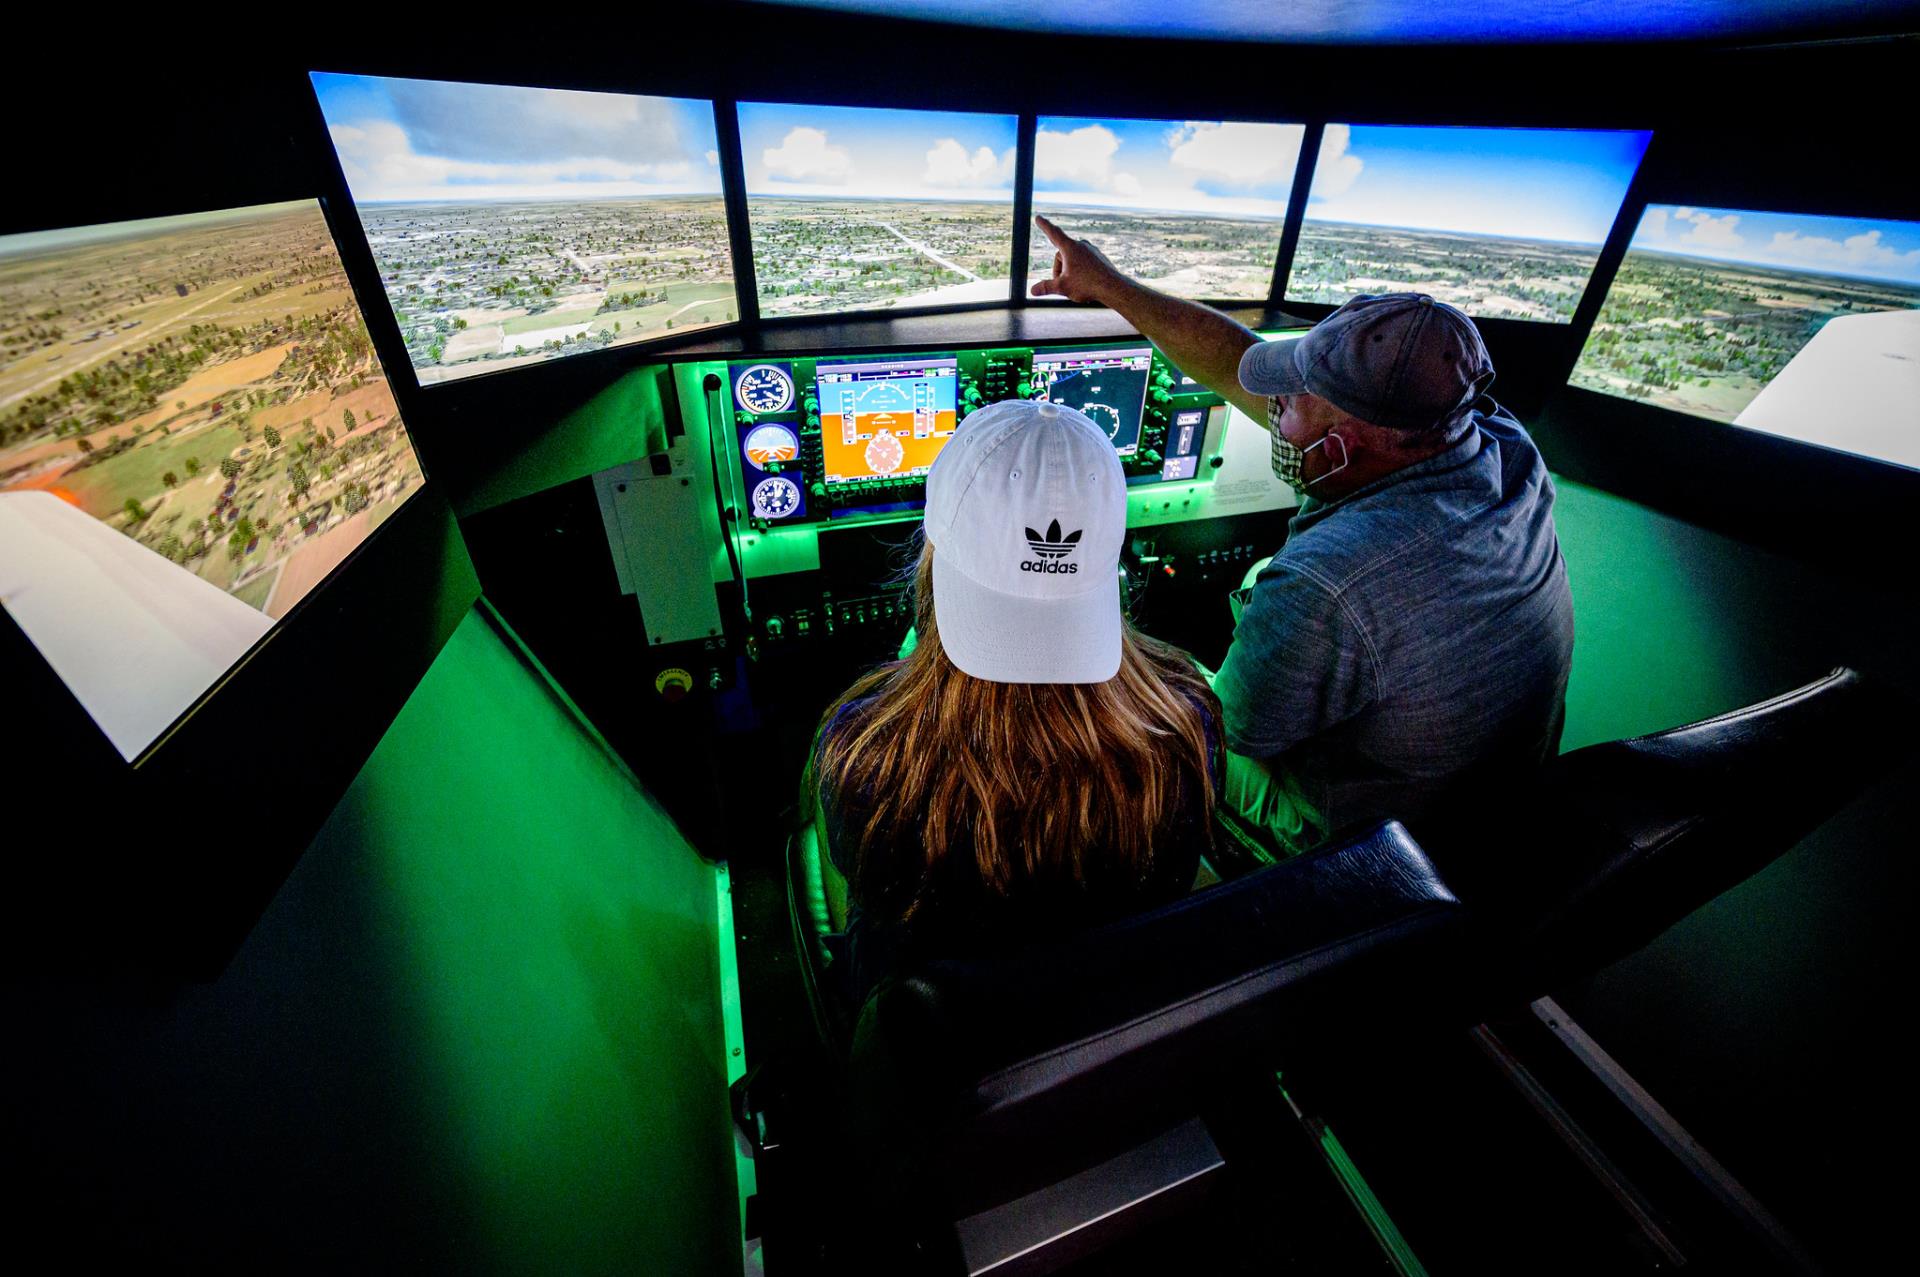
(805, 155)
(949, 164)
(1862, 252)
(1337, 168)
(1081, 166)
(381, 162)
(505, 124)
(1237, 154)
(1653, 224)
(1079, 158)
(1709, 231)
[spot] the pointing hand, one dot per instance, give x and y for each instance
(1081, 272)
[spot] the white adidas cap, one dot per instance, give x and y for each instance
(1027, 509)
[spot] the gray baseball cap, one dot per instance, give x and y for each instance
(1401, 360)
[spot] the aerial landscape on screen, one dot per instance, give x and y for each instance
(1192, 207)
(514, 225)
(206, 386)
(853, 208)
(1712, 306)
(1503, 223)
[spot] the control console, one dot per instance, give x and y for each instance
(818, 440)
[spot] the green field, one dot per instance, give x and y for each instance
(136, 473)
(254, 593)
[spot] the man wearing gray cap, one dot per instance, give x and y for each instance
(1410, 642)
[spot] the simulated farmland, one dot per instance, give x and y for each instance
(1707, 337)
(1483, 275)
(206, 387)
(513, 224)
(1186, 254)
(484, 286)
(1502, 223)
(814, 255)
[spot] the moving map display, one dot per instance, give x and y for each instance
(514, 225)
(886, 418)
(1505, 223)
(194, 434)
(1109, 386)
(1798, 325)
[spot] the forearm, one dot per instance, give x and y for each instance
(1204, 343)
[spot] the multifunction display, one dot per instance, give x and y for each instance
(1109, 386)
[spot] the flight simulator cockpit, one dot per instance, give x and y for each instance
(433, 555)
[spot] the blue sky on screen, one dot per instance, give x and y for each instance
(1553, 184)
(1190, 166)
(1863, 247)
(419, 140)
(865, 152)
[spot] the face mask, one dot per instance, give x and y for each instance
(1289, 460)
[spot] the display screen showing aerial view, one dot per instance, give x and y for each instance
(194, 432)
(1109, 386)
(515, 225)
(1793, 324)
(1191, 207)
(885, 418)
(858, 209)
(1503, 223)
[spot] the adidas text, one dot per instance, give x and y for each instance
(1043, 565)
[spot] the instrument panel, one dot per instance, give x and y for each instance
(825, 440)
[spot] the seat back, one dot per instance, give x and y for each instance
(1007, 1067)
(1626, 838)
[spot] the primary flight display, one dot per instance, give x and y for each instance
(885, 418)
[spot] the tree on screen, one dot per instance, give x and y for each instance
(193, 467)
(271, 435)
(229, 468)
(171, 479)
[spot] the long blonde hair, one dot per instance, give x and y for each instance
(1023, 779)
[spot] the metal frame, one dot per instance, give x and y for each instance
(1758, 1221)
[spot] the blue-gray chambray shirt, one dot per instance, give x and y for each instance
(1410, 637)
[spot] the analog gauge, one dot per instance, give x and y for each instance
(764, 388)
(771, 444)
(776, 498)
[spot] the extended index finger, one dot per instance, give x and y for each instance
(1059, 237)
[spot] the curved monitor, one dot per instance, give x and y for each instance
(856, 208)
(1798, 325)
(517, 225)
(1503, 223)
(194, 433)
(1191, 207)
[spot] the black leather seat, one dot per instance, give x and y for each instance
(1619, 841)
(993, 1076)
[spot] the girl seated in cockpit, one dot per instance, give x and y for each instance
(1034, 764)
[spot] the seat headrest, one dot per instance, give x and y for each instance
(1016, 1049)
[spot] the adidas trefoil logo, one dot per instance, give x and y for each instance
(1051, 549)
